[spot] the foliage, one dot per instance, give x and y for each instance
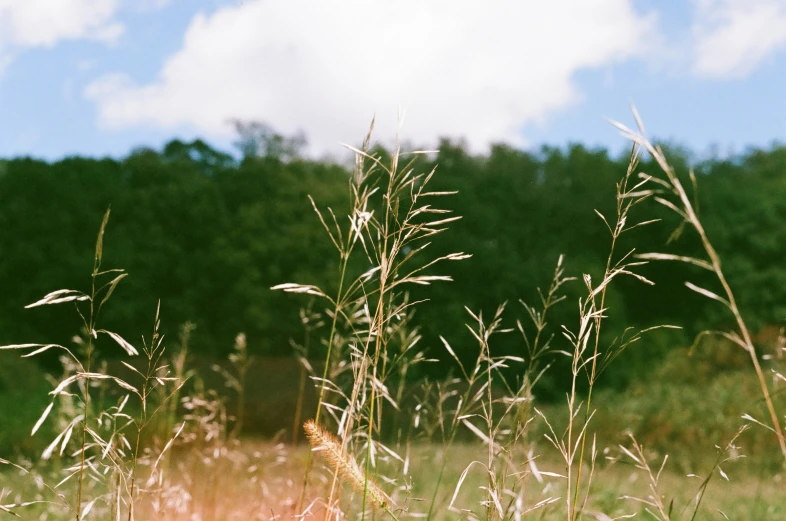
(208, 235)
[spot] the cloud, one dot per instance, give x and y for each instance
(458, 67)
(732, 37)
(44, 23)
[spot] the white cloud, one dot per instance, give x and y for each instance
(44, 23)
(460, 68)
(732, 37)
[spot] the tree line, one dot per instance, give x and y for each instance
(208, 235)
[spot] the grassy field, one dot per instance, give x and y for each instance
(261, 480)
(160, 436)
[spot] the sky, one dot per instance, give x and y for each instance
(102, 77)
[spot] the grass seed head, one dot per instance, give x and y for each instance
(340, 460)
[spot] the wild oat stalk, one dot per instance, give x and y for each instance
(178, 362)
(394, 239)
(586, 354)
(507, 431)
(672, 187)
(346, 466)
(654, 502)
(628, 195)
(392, 221)
(482, 405)
(344, 242)
(155, 380)
(100, 292)
(104, 449)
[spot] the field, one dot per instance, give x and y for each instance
(162, 435)
(261, 480)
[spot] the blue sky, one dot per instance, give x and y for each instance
(100, 77)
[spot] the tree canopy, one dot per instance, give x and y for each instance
(208, 235)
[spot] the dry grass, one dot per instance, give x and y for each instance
(261, 481)
(142, 447)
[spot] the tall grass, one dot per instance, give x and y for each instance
(674, 197)
(392, 221)
(108, 438)
(142, 445)
(477, 408)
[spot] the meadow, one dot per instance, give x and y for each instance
(159, 434)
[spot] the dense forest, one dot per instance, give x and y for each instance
(208, 235)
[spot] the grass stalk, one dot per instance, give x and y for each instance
(686, 210)
(90, 325)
